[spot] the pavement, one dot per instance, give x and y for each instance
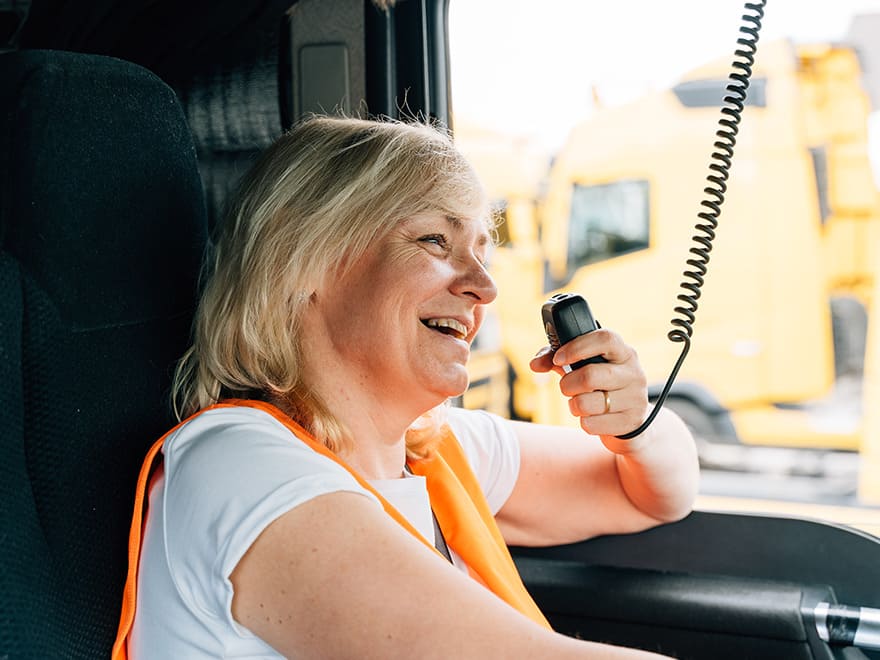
(814, 484)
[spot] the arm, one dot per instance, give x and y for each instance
(571, 486)
(336, 578)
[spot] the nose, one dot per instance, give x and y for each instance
(475, 282)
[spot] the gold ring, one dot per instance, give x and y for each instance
(607, 401)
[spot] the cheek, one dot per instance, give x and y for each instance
(398, 273)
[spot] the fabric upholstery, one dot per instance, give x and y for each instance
(102, 230)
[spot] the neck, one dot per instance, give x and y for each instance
(377, 449)
(377, 424)
(376, 413)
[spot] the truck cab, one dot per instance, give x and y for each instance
(125, 124)
(778, 352)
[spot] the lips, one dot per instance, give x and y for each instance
(448, 326)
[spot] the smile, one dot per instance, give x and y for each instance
(448, 327)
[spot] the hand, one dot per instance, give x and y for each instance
(619, 384)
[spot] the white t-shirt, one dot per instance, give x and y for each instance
(226, 475)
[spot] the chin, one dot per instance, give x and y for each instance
(452, 388)
(458, 391)
(448, 382)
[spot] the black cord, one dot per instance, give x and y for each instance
(731, 114)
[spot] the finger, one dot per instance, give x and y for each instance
(602, 342)
(543, 362)
(592, 377)
(602, 402)
(613, 424)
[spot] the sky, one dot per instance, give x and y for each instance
(530, 68)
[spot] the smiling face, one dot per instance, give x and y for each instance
(399, 322)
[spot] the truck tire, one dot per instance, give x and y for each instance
(849, 326)
(697, 420)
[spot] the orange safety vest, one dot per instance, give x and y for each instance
(456, 497)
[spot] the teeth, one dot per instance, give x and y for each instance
(459, 329)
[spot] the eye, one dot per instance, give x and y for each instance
(436, 239)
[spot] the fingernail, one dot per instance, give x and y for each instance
(559, 357)
(543, 351)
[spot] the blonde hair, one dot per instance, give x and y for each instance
(311, 204)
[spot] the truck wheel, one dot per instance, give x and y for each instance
(849, 325)
(698, 420)
(712, 447)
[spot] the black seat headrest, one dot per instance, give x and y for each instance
(92, 145)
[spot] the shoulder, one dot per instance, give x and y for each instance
(244, 454)
(235, 434)
(228, 473)
(225, 425)
(479, 427)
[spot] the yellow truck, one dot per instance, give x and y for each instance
(780, 331)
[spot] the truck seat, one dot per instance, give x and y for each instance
(102, 223)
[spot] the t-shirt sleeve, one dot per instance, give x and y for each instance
(492, 449)
(228, 474)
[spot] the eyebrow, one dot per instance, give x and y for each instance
(458, 225)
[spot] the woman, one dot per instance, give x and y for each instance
(295, 518)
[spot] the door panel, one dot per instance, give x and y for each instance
(711, 586)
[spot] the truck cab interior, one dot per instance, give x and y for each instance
(126, 123)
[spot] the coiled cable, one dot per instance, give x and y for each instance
(719, 172)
